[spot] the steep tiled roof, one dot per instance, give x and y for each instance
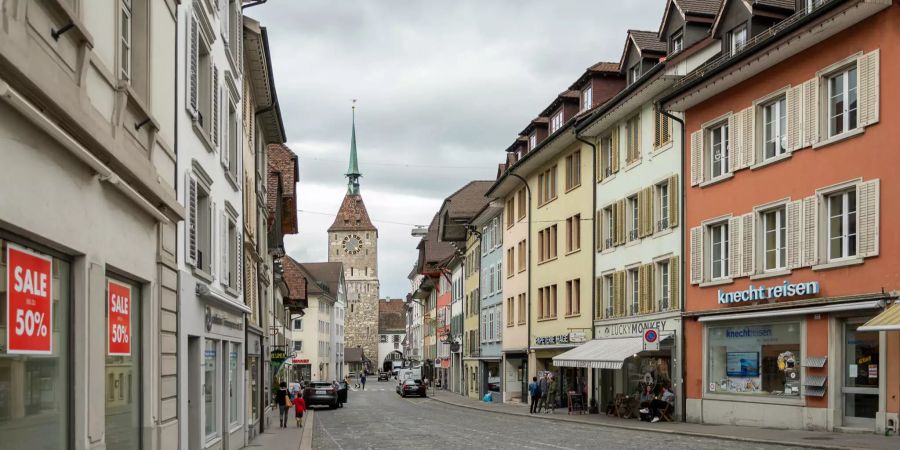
(783, 4)
(283, 161)
(605, 66)
(294, 278)
(391, 316)
(352, 216)
(699, 7)
(327, 273)
(431, 250)
(468, 200)
(647, 41)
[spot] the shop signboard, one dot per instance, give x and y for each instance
(278, 356)
(762, 292)
(29, 306)
(576, 337)
(636, 328)
(651, 339)
(551, 340)
(300, 361)
(118, 339)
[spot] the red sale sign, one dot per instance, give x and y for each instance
(118, 341)
(29, 306)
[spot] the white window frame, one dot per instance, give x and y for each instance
(609, 233)
(634, 216)
(677, 42)
(723, 263)
(662, 270)
(532, 140)
(741, 31)
(846, 222)
(610, 295)
(724, 144)
(635, 72)
(634, 290)
(774, 129)
(847, 90)
(662, 197)
(125, 39)
(556, 121)
(780, 239)
(587, 98)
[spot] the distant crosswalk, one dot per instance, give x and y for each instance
(372, 389)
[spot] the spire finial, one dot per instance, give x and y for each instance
(353, 168)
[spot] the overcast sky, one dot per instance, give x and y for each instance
(443, 87)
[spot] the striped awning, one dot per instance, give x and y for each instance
(601, 353)
(888, 320)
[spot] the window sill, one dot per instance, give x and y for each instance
(547, 260)
(608, 250)
(716, 282)
(203, 275)
(519, 219)
(547, 319)
(521, 323)
(633, 242)
(838, 264)
(609, 178)
(204, 137)
(522, 271)
(631, 165)
(665, 146)
(770, 161)
(572, 188)
(717, 180)
(665, 232)
(841, 137)
(577, 250)
(541, 205)
(570, 316)
(772, 274)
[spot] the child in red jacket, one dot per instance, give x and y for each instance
(299, 407)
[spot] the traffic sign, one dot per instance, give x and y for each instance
(651, 339)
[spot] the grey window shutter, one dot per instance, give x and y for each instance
(224, 153)
(212, 240)
(214, 130)
(193, 62)
(224, 243)
(191, 222)
(239, 261)
(793, 232)
(696, 157)
(868, 71)
(868, 193)
(748, 244)
(696, 255)
(809, 223)
(735, 247)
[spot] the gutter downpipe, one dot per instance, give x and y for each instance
(528, 288)
(593, 240)
(681, 261)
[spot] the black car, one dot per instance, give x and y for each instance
(411, 387)
(384, 376)
(342, 393)
(321, 393)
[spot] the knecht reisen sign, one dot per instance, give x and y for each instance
(763, 292)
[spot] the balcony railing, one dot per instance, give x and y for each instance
(753, 43)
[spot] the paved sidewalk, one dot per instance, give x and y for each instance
(290, 438)
(809, 439)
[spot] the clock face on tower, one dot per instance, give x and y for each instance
(352, 244)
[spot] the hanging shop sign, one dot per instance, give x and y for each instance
(576, 337)
(29, 306)
(278, 356)
(222, 319)
(118, 336)
(762, 292)
(551, 340)
(651, 339)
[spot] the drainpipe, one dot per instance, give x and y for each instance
(528, 287)
(681, 258)
(593, 239)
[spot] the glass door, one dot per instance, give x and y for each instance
(861, 372)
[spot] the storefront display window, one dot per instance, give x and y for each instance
(209, 388)
(34, 384)
(754, 359)
(123, 387)
(253, 362)
(640, 371)
(233, 384)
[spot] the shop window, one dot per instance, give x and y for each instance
(210, 389)
(253, 369)
(233, 384)
(774, 121)
(123, 362)
(718, 244)
(774, 239)
(842, 225)
(35, 388)
(842, 102)
(754, 359)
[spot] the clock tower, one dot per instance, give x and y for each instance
(353, 241)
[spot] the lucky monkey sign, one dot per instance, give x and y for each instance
(29, 306)
(118, 341)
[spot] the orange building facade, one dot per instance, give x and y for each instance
(790, 190)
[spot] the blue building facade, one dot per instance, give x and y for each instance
(491, 323)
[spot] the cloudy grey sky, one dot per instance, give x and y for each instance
(443, 87)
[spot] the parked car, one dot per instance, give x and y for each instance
(383, 375)
(411, 387)
(321, 393)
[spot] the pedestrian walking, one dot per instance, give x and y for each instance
(544, 383)
(283, 400)
(362, 380)
(550, 397)
(299, 407)
(534, 389)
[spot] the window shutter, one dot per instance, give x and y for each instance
(735, 142)
(239, 260)
(674, 297)
(191, 222)
(868, 217)
(696, 157)
(216, 119)
(223, 242)
(615, 149)
(239, 36)
(649, 277)
(620, 222)
(810, 230)
(619, 293)
(810, 114)
(657, 129)
(642, 213)
(793, 232)
(748, 244)
(868, 70)
(193, 62)
(211, 232)
(224, 15)
(696, 255)
(598, 234)
(735, 247)
(674, 211)
(649, 219)
(748, 147)
(792, 103)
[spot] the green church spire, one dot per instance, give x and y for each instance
(353, 169)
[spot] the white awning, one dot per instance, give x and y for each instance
(601, 353)
(870, 304)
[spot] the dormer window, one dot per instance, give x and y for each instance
(634, 73)
(556, 121)
(677, 44)
(532, 141)
(587, 98)
(738, 38)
